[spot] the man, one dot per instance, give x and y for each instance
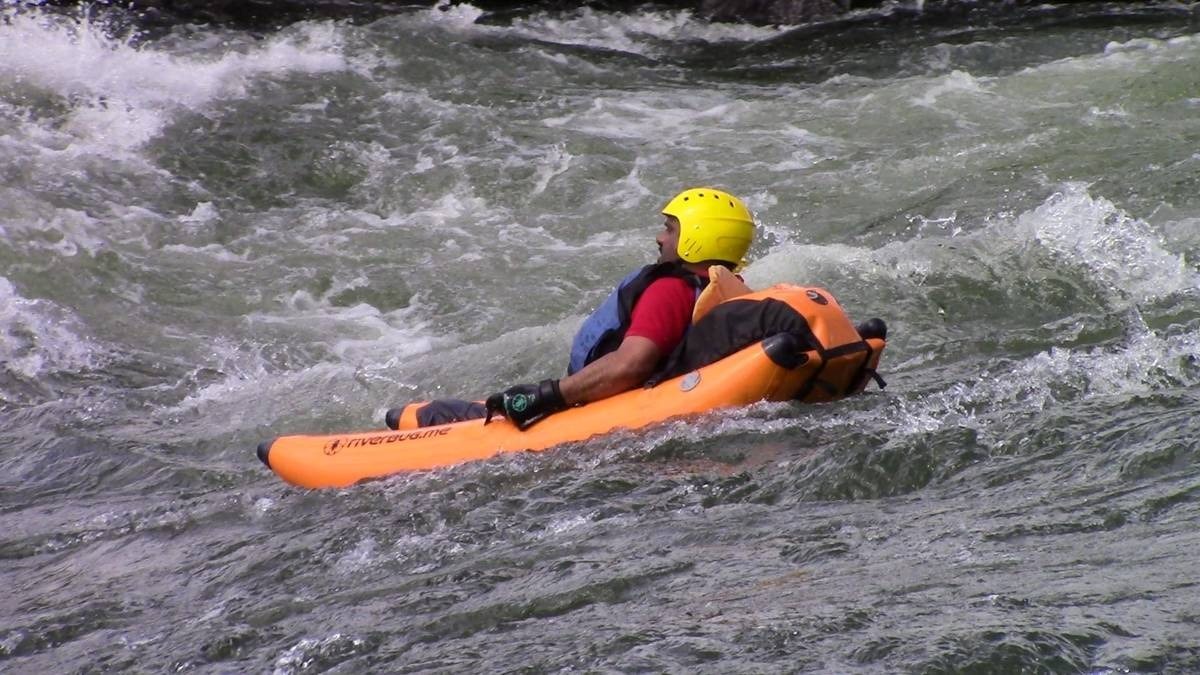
(641, 322)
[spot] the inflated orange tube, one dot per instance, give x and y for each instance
(340, 460)
(774, 369)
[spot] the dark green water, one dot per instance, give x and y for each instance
(212, 238)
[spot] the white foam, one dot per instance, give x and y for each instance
(210, 252)
(800, 263)
(122, 95)
(1145, 362)
(367, 347)
(567, 524)
(372, 340)
(416, 553)
(556, 161)
(1122, 254)
(1119, 57)
(673, 119)
(37, 337)
(953, 83)
(449, 207)
(204, 212)
(301, 656)
(1124, 257)
(63, 231)
(1134, 45)
(243, 370)
(362, 556)
(461, 16)
(263, 506)
(630, 191)
(643, 33)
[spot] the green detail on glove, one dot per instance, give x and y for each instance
(526, 404)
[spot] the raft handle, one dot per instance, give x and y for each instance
(785, 350)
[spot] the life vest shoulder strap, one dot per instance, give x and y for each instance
(629, 293)
(602, 332)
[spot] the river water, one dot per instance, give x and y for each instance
(209, 238)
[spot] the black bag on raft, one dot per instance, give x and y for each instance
(736, 324)
(731, 326)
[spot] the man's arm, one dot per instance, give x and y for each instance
(626, 368)
(658, 322)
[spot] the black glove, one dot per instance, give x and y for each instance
(526, 404)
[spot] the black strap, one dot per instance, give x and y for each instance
(843, 350)
(878, 380)
(628, 296)
(812, 383)
(865, 371)
(848, 348)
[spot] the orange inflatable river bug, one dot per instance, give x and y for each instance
(829, 361)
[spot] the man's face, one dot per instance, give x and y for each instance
(668, 240)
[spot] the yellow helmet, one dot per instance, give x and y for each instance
(713, 225)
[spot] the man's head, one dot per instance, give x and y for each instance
(707, 226)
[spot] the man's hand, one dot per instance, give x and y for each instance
(526, 404)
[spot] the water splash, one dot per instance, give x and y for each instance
(952, 84)
(1121, 254)
(1142, 364)
(642, 33)
(38, 338)
(320, 654)
(1086, 238)
(121, 95)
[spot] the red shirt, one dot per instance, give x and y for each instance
(663, 313)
